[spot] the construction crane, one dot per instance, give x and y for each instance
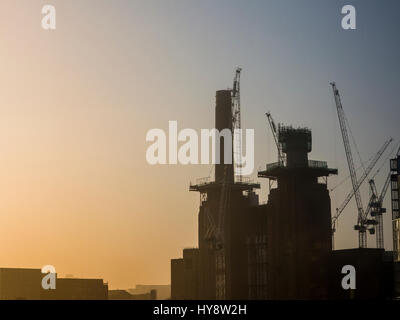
(237, 124)
(361, 223)
(275, 132)
(367, 171)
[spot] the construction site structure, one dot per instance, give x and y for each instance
(350, 195)
(275, 133)
(362, 220)
(222, 216)
(394, 187)
(280, 249)
(237, 124)
(375, 205)
(298, 220)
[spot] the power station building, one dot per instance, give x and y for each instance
(298, 220)
(278, 250)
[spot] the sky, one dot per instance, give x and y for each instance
(76, 103)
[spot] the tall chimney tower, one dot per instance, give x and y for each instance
(223, 120)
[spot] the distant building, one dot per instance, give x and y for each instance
(184, 276)
(78, 289)
(125, 295)
(26, 284)
(119, 295)
(21, 284)
(163, 290)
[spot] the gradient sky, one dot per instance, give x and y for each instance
(76, 103)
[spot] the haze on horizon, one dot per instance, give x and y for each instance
(76, 103)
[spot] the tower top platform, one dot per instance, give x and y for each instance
(205, 184)
(314, 169)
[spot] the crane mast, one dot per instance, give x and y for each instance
(237, 124)
(360, 226)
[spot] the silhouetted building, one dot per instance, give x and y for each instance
(190, 266)
(119, 295)
(163, 290)
(177, 279)
(26, 284)
(278, 250)
(219, 273)
(299, 234)
(21, 284)
(125, 295)
(185, 276)
(395, 186)
(78, 289)
(374, 274)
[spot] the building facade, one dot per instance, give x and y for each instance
(395, 186)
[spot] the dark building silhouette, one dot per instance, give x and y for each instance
(395, 186)
(21, 284)
(119, 295)
(78, 289)
(223, 121)
(222, 273)
(278, 250)
(177, 279)
(298, 221)
(374, 274)
(163, 290)
(125, 295)
(26, 284)
(185, 276)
